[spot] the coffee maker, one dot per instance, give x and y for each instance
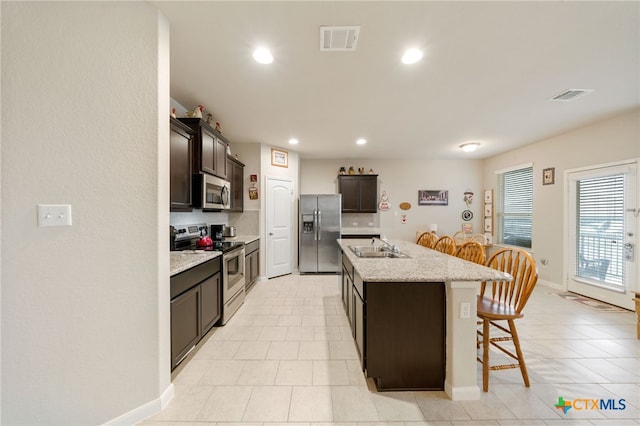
(217, 232)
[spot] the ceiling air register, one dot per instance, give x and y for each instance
(336, 39)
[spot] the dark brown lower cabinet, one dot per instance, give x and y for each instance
(196, 306)
(185, 324)
(251, 263)
(211, 295)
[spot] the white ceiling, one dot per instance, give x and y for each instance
(488, 71)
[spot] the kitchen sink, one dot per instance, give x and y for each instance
(376, 252)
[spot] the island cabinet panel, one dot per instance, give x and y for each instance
(405, 335)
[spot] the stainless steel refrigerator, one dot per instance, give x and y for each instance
(319, 228)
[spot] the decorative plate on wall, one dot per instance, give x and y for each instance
(405, 206)
(467, 215)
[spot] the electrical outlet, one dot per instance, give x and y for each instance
(355, 223)
(54, 215)
(465, 310)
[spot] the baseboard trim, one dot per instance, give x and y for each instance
(462, 393)
(145, 411)
(552, 285)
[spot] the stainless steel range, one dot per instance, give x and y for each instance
(185, 237)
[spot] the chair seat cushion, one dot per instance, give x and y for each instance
(494, 310)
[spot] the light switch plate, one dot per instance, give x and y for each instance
(54, 215)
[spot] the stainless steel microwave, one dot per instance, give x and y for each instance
(210, 192)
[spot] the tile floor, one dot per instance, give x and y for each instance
(287, 356)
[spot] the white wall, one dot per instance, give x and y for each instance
(614, 139)
(84, 308)
(401, 179)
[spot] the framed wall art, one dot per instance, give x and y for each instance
(433, 197)
(279, 158)
(488, 211)
(549, 176)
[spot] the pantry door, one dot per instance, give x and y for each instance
(280, 210)
(603, 225)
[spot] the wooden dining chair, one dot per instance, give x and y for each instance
(460, 238)
(481, 238)
(427, 239)
(472, 251)
(445, 244)
(501, 301)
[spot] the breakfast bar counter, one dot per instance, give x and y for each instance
(413, 317)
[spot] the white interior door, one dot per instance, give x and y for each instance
(603, 225)
(280, 208)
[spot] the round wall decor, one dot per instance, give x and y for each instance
(467, 215)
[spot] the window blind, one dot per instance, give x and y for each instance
(600, 205)
(516, 207)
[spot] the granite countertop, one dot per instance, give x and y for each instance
(360, 231)
(183, 260)
(424, 265)
(243, 238)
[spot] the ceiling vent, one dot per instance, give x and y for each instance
(337, 39)
(570, 94)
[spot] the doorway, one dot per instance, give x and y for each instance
(603, 222)
(279, 218)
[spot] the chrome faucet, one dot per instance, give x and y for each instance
(393, 247)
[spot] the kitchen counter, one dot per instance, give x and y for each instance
(360, 231)
(243, 238)
(180, 261)
(424, 265)
(399, 298)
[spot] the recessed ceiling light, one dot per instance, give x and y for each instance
(469, 147)
(361, 141)
(411, 56)
(293, 141)
(262, 55)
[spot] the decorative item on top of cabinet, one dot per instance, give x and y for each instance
(235, 171)
(180, 166)
(196, 113)
(210, 148)
(359, 193)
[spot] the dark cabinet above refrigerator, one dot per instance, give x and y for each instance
(359, 193)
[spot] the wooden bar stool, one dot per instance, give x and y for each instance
(472, 251)
(446, 245)
(501, 301)
(427, 239)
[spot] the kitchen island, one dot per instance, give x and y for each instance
(414, 318)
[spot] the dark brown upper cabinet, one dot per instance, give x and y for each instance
(210, 148)
(235, 175)
(180, 166)
(359, 193)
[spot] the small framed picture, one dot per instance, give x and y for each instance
(488, 195)
(467, 228)
(279, 158)
(488, 224)
(549, 176)
(488, 210)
